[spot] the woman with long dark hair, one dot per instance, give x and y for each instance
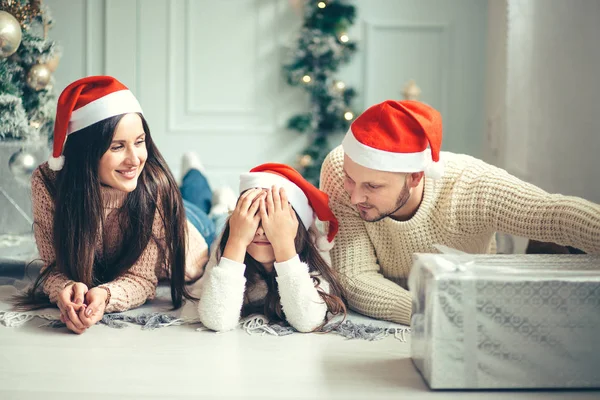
(268, 260)
(109, 219)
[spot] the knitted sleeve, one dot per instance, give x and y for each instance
(304, 308)
(353, 255)
(506, 204)
(43, 225)
(222, 295)
(196, 255)
(138, 284)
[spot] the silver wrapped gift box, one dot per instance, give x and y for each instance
(506, 321)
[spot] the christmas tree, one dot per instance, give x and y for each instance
(27, 107)
(323, 46)
(27, 59)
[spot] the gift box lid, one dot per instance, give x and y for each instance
(505, 266)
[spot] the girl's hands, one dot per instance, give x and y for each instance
(243, 224)
(280, 223)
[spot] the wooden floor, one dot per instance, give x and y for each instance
(180, 362)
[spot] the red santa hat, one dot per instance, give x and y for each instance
(394, 136)
(85, 102)
(308, 201)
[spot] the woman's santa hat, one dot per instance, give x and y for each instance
(85, 102)
(394, 136)
(308, 201)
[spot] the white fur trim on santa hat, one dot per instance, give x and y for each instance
(116, 103)
(56, 163)
(295, 195)
(322, 244)
(382, 160)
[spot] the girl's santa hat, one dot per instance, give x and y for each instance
(308, 201)
(85, 102)
(394, 136)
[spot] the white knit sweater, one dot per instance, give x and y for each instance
(463, 210)
(223, 286)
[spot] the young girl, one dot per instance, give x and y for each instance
(267, 261)
(109, 219)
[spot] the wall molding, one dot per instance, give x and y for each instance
(443, 29)
(182, 114)
(94, 53)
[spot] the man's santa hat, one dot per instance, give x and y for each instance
(85, 102)
(309, 202)
(394, 136)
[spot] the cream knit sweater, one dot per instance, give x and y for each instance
(463, 210)
(139, 283)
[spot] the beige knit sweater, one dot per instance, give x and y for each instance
(138, 284)
(463, 210)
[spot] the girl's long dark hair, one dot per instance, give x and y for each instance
(79, 216)
(308, 253)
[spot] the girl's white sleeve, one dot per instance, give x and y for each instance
(303, 306)
(222, 295)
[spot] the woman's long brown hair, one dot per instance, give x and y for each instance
(308, 253)
(79, 217)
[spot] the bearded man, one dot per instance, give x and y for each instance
(395, 194)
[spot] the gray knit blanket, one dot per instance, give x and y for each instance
(157, 313)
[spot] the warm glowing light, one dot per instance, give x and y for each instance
(340, 85)
(306, 78)
(348, 115)
(321, 4)
(344, 38)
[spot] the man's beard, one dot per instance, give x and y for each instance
(400, 202)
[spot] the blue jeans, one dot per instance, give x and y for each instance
(197, 199)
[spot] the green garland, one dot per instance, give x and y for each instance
(323, 46)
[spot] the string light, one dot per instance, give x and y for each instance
(340, 85)
(344, 38)
(306, 79)
(321, 4)
(348, 115)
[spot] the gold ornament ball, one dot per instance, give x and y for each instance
(38, 77)
(10, 34)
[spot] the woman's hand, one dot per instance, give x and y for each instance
(243, 224)
(71, 303)
(280, 224)
(96, 304)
